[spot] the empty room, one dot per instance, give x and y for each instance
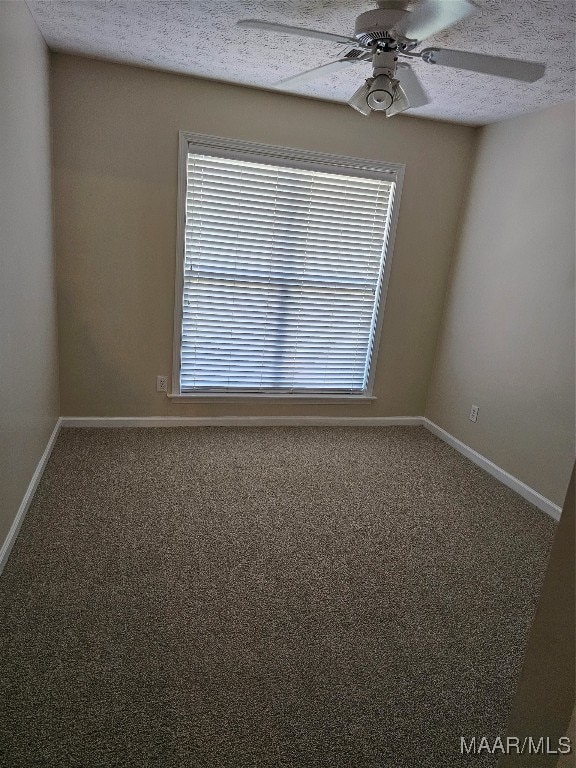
(287, 354)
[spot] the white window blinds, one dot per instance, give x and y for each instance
(282, 277)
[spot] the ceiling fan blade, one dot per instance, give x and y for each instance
(286, 29)
(310, 74)
(411, 86)
(432, 16)
(516, 69)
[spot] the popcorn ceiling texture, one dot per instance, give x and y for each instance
(264, 598)
(200, 38)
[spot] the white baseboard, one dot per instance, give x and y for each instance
(500, 474)
(497, 472)
(6, 547)
(240, 421)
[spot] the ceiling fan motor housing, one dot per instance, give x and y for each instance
(377, 25)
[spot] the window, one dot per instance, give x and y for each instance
(281, 272)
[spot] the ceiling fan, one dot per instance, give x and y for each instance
(391, 32)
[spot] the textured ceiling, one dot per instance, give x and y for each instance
(199, 37)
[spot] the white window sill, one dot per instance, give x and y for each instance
(231, 397)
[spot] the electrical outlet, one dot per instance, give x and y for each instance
(161, 383)
(474, 413)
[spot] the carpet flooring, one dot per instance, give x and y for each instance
(264, 598)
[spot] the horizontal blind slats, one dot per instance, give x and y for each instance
(282, 269)
(207, 164)
(282, 226)
(294, 205)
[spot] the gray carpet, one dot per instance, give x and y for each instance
(264, 598)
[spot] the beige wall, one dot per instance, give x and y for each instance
(28, 356)
(544, 700)
(115, 155)
(507, 340)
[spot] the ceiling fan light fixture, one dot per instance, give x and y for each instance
(358, 99)
(381, 93)
(400, 102)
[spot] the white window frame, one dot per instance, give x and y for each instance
(300, 158)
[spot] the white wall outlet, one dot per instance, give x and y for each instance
(161, 383)
(474, 413)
